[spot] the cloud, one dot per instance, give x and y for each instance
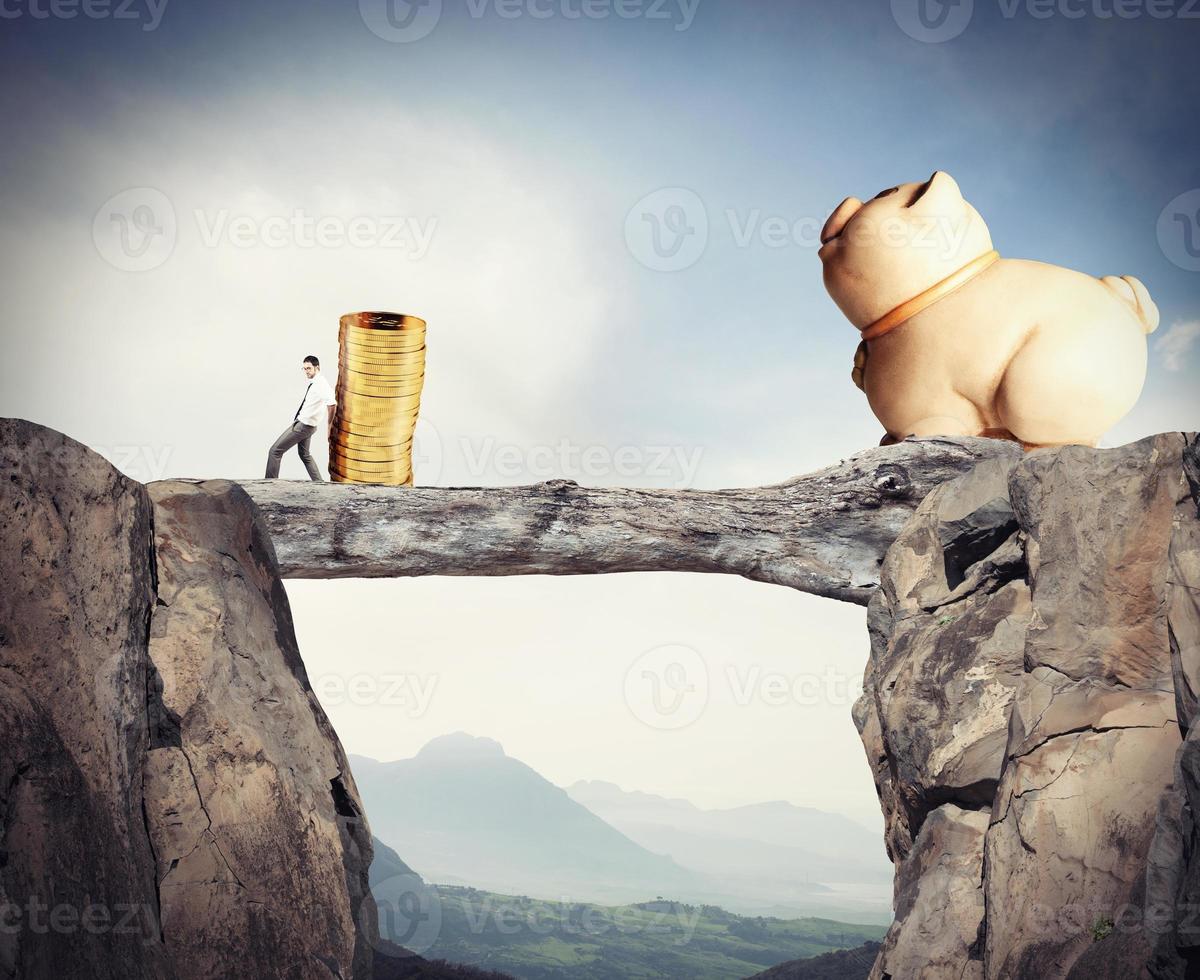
(1175, 344)
(507, 274)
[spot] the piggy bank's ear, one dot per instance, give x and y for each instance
(939, 195)
(837, 221)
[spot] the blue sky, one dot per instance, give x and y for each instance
(511, 150)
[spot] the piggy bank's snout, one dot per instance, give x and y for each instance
(836, 222)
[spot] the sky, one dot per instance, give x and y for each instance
(607, 211)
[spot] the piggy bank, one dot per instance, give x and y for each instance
(956, 340)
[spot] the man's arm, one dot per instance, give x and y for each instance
(331, 403)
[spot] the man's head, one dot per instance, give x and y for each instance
(311, 366)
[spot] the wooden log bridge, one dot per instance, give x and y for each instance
(823, 533)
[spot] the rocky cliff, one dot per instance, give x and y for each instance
(1027, 713)
(173, 801)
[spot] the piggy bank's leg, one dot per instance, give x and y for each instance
(1062, 388)
(941, 425)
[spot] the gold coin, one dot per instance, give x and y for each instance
(390, 435)
(387, 367)
(395, 330)
(339, 478)
(360, 405)
(354, 449)
(351, 443)
(394, 431)
(381, 414)
(359, 352)
(370, 465)
(355, 352)
(358, 455)
(395, 474)
(359, 382)
(376, 350)
(355, 345)
(382, 320)
(400, 424)
(396, 370)
(355, 378)
(383, 329)
(374, 454)
(376, 373)
(355, 396)
(391, 398)
(385, 339)
(381, 389)
(386, 479)
(379, 375)
(366, 390)
(379, 481)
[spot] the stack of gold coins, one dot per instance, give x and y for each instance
(381, 367)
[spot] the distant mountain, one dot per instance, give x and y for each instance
(463, 812)
(765, 841)
(393, 961)
(842, 964)
(386, 863)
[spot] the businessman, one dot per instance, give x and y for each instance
(318, 403)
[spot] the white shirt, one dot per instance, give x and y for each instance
(312, 412)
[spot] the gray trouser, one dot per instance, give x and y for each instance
(297, 434)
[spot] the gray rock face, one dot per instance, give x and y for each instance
(173, 800)
(945, 653)
(76, 546)
(1034, 659)
(260, 842)
(175, 805)
(939, 901)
